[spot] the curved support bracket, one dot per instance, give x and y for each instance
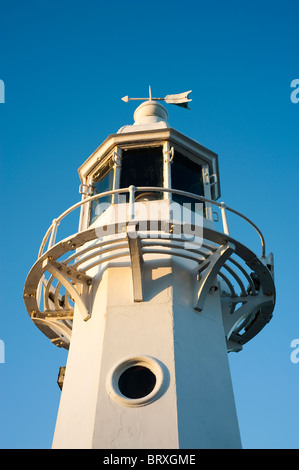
(60, 334)
(136, 261)
(211, 267)
(57, 269)
(251, 304)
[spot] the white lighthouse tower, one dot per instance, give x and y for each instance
(150, 294)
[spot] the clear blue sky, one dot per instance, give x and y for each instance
(65, 65)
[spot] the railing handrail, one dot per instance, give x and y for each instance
(131, 191)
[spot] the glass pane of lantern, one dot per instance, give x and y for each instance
(102, 183)
(142, 167)
(186, 175)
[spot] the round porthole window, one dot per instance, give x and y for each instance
(137, 381)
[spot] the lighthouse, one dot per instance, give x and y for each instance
(149, 293)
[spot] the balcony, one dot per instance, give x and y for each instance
(65, 270)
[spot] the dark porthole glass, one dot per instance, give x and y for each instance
(136, 382)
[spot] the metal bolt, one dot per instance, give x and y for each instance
(213, 288)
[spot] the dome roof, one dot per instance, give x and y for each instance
(149, 115)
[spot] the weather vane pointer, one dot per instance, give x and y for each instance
(180, 99)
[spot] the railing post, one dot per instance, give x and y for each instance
(52, 230)
(131, 201)
(55, 224)
(39, 291)
(224, 219)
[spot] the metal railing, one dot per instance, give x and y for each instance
(131, 190)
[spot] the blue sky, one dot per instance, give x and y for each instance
(66, 66)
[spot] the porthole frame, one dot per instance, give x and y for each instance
(155, 366)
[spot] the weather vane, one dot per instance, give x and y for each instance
(181, 99)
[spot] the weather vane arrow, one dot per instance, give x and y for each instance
(180, 99)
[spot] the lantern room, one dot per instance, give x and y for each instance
(148, 154)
